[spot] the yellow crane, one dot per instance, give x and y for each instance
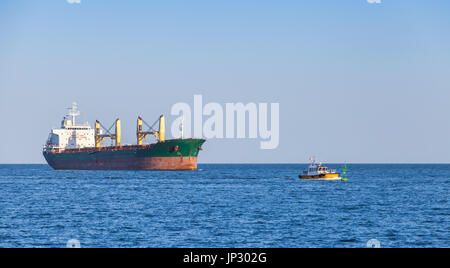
(116, 136)
(159, 135)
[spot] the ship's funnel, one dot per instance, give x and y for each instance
(162, 128)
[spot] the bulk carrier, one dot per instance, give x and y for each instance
(79, 147)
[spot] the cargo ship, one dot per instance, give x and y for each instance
(79, 147)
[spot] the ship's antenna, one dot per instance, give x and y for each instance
(74, 112)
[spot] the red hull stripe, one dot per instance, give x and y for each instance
(143, 163)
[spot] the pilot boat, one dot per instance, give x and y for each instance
(319, 172)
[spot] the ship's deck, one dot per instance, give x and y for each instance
(106, 148)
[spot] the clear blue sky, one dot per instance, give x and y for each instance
(356, 82)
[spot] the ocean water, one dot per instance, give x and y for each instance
(225, 206)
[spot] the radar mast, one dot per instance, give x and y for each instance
(74, 112)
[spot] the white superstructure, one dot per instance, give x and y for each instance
(70, 135)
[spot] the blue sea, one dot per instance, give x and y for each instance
(225, 206)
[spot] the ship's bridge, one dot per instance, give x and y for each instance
(70, 135)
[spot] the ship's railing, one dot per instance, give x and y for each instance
(109, 148)
(53, 149)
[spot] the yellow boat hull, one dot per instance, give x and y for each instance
(326, 177)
